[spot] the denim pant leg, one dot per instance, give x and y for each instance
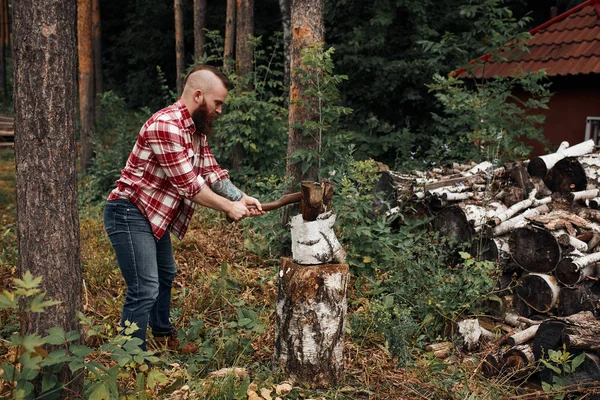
(160, 313)
(136, 251)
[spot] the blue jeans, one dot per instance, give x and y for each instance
(147, 265)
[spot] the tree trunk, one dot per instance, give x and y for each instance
(539, 291)
(244, 58)
(307, 29)
(535, 249)
(199, 26)
(179, 46)
(4, 43)
(86, 81)
(229, 45)
(311, 308)
(97, 42)
(284, 7)
(45, 60)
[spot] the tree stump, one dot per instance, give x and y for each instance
(311, 309)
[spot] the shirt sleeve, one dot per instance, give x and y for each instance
(167, 143)
(211, 171)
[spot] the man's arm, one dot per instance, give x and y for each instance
(235, 210)
(227, 189)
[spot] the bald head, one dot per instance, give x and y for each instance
(204, 80)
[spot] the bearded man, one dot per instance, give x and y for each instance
(169, 171)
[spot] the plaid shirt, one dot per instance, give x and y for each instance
(162, 173)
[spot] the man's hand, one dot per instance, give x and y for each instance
(237, 211)
(253, 205)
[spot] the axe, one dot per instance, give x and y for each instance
(289, 198)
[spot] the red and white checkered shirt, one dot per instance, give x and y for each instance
(162, 173)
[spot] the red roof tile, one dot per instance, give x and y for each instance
(566, 45)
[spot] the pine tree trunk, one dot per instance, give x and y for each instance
(311, 308)
(307, 28)
(97, 43)
(45, 59)
(199, 26)
(179, 47)
(229, 45)
(4, 43)
(86, 80)
(284, 7)
(244, 55)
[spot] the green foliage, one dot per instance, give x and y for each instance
(41, 358)
(562, 364)
(490, 120)
(320, 100)
(117, 133)
(255, 116)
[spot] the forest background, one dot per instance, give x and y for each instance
(388, 95)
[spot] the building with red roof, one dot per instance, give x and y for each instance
(567, 47)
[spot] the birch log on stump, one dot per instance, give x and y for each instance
(538, 291)
(582, 297)
(311, 308)
(534, 249)
(312, 299)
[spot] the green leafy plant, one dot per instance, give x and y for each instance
(42, 357)
(562, 364)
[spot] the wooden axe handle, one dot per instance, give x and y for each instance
(284, 200)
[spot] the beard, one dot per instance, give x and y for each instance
(203, 120)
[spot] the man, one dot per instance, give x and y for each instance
(169, 171)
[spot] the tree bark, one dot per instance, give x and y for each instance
(284, 7)
(307, 29)
(199, 26)
(311, 308)
(179, 45)
(4, 43)
(97, 43)
(229, 45)
(244, 59)
(45, 60)
(86, 81)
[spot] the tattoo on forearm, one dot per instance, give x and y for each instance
(228, 190)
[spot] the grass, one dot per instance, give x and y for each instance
(217, 280)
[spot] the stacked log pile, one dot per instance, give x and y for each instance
(540, 221)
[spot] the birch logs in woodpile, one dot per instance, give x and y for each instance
(537, 220)
(311, 300)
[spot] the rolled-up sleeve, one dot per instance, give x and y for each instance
(167, 144)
